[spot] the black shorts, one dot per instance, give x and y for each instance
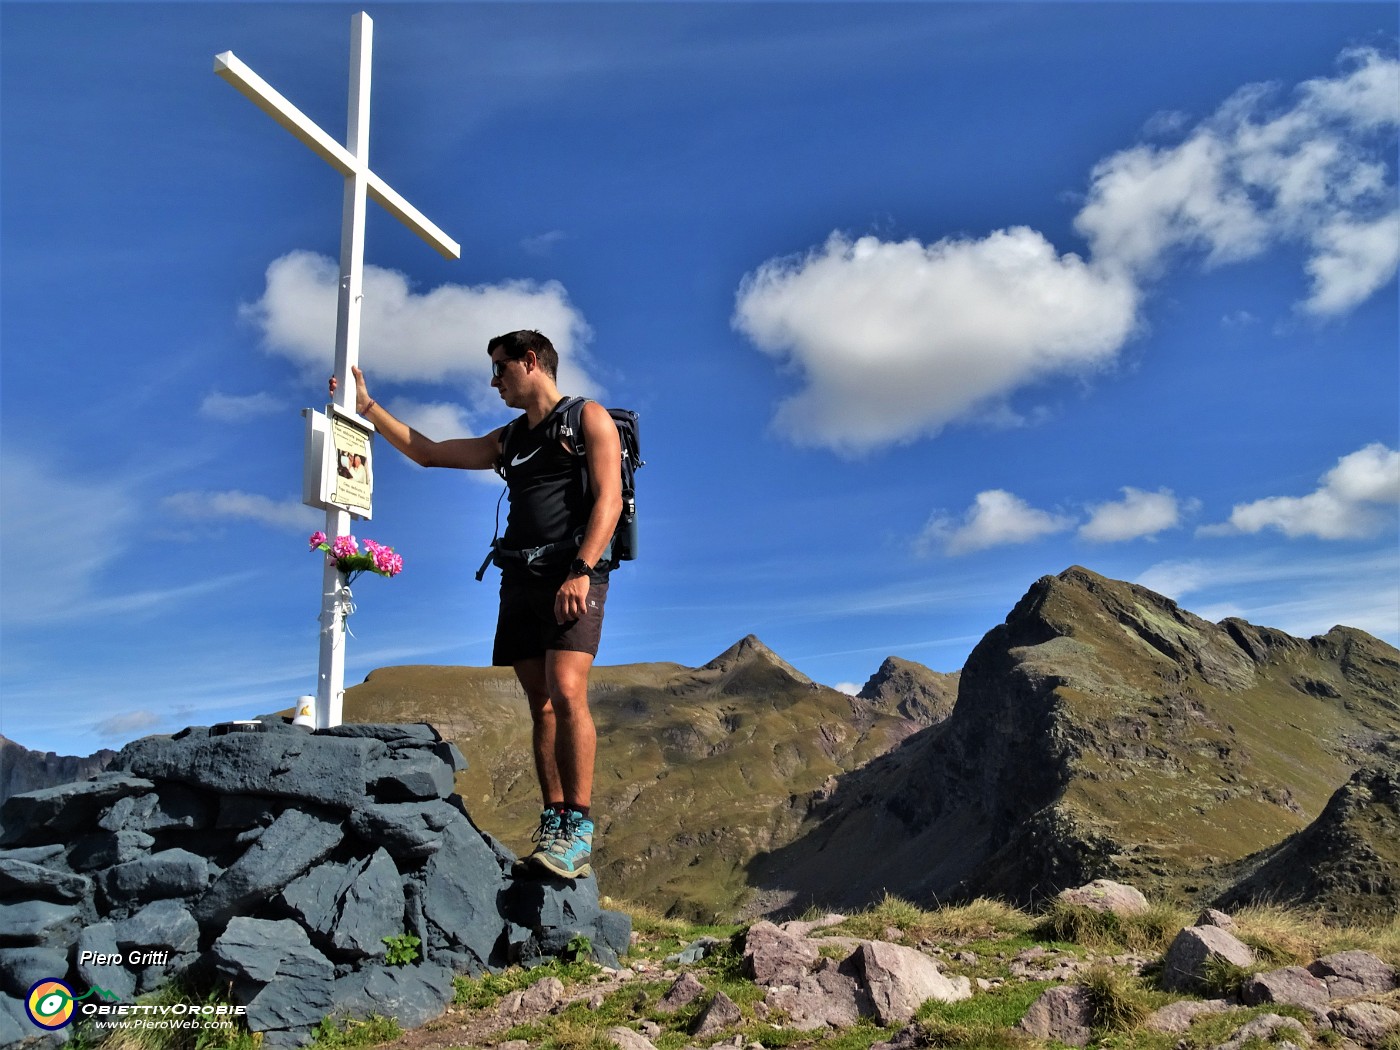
(526, 628)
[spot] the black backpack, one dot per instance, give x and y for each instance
(568, 423)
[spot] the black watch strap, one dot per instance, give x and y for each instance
(580, 568)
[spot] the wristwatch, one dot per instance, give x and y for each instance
(580, 568)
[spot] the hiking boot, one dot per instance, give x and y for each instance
(551, 820)
(569, 853)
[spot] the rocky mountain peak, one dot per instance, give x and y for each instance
(913, 690)
(748, 652)
(1102, 731)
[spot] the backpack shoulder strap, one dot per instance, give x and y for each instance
(569, 425)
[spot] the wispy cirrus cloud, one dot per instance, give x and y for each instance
(236, 408)
(235, 505)
(1301, 595)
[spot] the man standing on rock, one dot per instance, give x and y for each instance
(565, 499)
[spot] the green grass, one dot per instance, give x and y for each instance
(1118, 1000)
(983, 918)
(348, 1034)
(1150, 931)
(487, 990)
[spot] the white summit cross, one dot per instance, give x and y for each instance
(352, 161)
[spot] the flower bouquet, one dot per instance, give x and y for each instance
(375, 558)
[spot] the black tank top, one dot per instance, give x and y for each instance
(549, 499)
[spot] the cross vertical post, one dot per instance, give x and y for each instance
(361, 184)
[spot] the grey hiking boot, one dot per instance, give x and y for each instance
(551, 821)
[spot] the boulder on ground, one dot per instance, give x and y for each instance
(899, 980)
(1269, 1028)
(1175, 1018)
(411, 995)
(721, 1013)
(625, 1039)
(1063, 1014)
(774, 957)
(1216, 917)
(828, 997)
(1355, 973)
(1291, 986)
(1184, 968)
(682, 993)
(1105, 895)
(1369, 1024)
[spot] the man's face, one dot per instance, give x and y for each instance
(508, 376)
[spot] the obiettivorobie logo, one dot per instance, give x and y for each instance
(51, 1003)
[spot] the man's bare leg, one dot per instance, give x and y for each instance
(531, 674)
(575, 738)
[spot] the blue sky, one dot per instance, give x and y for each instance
(917, 302)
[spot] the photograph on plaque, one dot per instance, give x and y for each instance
(353, 482)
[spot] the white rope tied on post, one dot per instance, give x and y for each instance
(338, 608)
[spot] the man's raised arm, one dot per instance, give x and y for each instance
(476, 453)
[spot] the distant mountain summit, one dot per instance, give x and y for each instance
(912, 690)
(1103, 731)
(748, 666)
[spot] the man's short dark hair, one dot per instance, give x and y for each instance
(518, 344)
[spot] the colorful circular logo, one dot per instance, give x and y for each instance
(50, 1004)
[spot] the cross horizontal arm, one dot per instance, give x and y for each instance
(270, 101)
(385, 195)
(263, 95)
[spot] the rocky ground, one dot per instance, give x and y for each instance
(1102, 969)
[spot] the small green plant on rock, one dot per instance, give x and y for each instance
(579, 949)
(402, 949)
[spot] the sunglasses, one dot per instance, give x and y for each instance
(499, 367)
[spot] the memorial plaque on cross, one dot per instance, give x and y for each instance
(361, 184)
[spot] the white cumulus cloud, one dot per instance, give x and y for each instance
(996, 518)
(1137, 514)
(1256, 174)
(234, 505)
(1344, 506)
(435, 336)
(895, 340)
(438, 420)
(441, 421)
(891, 341)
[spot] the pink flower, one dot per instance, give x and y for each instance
(386, 562)
(345, 547)
(317, 538)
